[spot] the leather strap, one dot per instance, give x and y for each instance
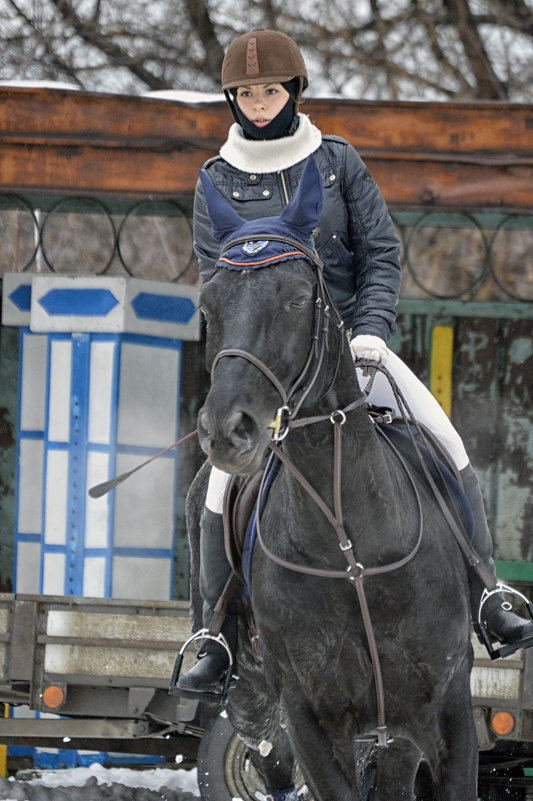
(222, 605)
(457, 528)
(255, 361)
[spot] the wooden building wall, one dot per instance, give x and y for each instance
(444, 155)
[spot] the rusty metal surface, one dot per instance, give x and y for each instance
(492, 408)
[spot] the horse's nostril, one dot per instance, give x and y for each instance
(203, 421)
(240, 429)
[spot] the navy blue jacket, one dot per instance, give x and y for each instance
(356, 239)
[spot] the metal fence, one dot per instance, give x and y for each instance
(447, 255)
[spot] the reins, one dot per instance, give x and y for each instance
(356, 572)
(284, 421)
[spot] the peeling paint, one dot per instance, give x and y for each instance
(520, 350)
(492, 409)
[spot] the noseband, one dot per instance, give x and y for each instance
(290, 399)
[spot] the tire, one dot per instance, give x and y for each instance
(225, 771)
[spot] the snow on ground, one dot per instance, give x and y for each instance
(97, 783)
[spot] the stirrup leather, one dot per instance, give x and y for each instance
(202, 634)
(483, 634)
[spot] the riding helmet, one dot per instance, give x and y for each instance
(263, 56)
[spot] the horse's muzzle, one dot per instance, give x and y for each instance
(235, 443)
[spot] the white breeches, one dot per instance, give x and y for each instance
(421, 402)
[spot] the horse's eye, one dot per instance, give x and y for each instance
(298, 303)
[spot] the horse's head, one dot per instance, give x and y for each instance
(266, 317)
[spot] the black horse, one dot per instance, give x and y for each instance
(334, 623)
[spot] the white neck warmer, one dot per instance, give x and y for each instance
(270, 155)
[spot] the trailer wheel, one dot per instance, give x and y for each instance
(225, 770)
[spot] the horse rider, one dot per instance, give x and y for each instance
(257, 170)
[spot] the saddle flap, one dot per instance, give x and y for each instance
(239, 501)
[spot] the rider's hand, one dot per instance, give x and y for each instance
(367, 346)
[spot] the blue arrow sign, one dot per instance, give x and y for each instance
(82, 302)
(21, 297)
(163, 308)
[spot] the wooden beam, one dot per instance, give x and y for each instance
(423, 155)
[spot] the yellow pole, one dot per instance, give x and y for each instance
(3, 749)
(440, 376)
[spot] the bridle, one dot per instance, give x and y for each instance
(293, 398)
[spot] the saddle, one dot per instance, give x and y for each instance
(239, 505)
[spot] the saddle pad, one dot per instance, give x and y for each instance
(445, 480)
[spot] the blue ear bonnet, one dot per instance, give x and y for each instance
(298, 220)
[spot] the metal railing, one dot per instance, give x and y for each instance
(485, 256)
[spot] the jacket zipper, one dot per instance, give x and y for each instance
(284, 187)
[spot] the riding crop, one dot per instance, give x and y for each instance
(106, 486)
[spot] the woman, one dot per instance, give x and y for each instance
(258, 169)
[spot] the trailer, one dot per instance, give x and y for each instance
(96, 672)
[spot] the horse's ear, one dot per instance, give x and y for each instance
(224, 218)
(305, 207)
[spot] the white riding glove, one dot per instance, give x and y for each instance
(367, 346)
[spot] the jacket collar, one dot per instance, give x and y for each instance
(264, 156)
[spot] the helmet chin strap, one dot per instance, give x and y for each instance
(231, 104)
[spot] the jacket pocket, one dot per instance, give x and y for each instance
(339, 269)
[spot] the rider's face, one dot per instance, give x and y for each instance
(262, 102)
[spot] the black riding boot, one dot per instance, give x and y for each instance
(208, 673)
(501, 623)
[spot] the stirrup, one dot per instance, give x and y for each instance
(483, 634)
(202, 634)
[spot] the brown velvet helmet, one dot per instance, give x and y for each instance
(263, 56)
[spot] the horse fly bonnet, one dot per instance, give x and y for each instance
(251, 244)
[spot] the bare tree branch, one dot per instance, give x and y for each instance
(88, 31)
(201, 20)
(489, 87)
(56, 63)
(439, 49)
(381, 47)
(441, 58)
